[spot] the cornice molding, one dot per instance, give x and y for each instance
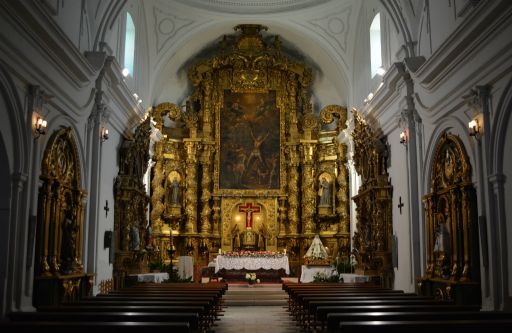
(252, 7)
(35, 22)
(488, 19)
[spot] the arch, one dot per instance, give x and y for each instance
(192, 42)
(456, 127)
(375, 45)
(4, 221)
(19, 139)
(500, 129)
(61, 208)
(129, 44)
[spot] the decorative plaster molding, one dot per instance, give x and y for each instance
(167, 26)
(336, 26)
(253, 6)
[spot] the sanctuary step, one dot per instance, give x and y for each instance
(258, 295)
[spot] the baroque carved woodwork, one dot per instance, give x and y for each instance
(372, 241)
(250, 156)
(132, 237)
(451, 225)
(59, 273)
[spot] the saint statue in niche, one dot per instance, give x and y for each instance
(442, 247)
(175, 192)
(68, 247)
(325, 193)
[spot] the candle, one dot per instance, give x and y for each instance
(284, 251)
(220, 251)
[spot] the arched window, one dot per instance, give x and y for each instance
(129, 44)
(375, 45)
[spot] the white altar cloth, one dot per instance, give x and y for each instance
(152, 277)
(252, 263)
(309, 271)
(186, 267)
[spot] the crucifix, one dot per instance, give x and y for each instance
(249, 209)
(106, 208)
(400, 205)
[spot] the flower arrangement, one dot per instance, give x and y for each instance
(251, 278)
(254, 254)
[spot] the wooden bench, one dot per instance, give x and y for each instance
(192, 318)
(322, 311)
(429, 326)
(334, 319)
(93, 326)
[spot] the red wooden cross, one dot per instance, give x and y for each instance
(248, 209)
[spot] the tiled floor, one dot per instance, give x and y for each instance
(256, 319)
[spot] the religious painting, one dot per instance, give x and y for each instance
(249, 141)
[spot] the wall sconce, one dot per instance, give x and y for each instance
(474, 128)
(404, 137)
(40, 127)
(104, 134)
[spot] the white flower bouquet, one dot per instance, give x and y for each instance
(251, 278)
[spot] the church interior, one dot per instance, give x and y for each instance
(311, 140)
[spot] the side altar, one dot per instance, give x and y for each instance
(248, 164)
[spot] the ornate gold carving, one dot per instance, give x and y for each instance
(451, 227)
(247, 67)
(330, 112)
(60, 222)
(372, 239)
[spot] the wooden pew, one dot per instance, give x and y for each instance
(192, 318)
(92, 326)
(323, 311)
(438, 326)
(334, 319)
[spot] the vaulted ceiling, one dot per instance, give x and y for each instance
(320, 31)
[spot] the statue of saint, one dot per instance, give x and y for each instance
(325, 193)
(317, 249)
(68, 245)
(175, 192)
(135, 245)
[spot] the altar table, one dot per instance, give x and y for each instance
(309, 271)
(252, 263)
(152, 277)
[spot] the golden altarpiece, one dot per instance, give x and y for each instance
(372, 241)
(250, 167)
(453, 268)
(59, 273)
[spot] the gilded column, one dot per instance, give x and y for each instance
(157, 190)
(293, 189)
(206, 157)
(216, 216)
(308, 186)
(282, 216)
(342, 194)
(191, 185)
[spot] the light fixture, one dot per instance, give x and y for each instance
(139, 101)
(135, 95)
(404, 137)
(380, 71)
(370, 96)
(125, 72)
(104, 134)
(474, 128)
(40, 127)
